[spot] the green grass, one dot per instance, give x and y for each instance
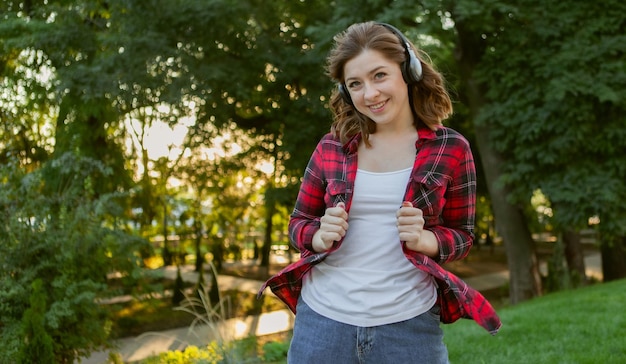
(581, 326)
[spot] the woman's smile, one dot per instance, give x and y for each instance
(377, 107)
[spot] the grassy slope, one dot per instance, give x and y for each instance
(580, 326)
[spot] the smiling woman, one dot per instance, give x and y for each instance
(388, 196)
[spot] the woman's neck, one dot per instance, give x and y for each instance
(389, 151)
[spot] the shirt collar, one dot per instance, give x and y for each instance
(352, 145)
(424, 134)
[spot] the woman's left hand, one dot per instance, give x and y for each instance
(412, 232)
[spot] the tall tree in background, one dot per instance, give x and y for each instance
(471, 25)
(526, 73)
(554, 80)
(247, 63)
(24, 120)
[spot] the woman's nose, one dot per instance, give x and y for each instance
(370, 92)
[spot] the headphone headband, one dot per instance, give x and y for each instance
(411, 68)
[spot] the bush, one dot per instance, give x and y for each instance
(239, 352)
(274, 351)
(55, 230)
(38, 346)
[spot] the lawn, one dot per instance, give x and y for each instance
(581, 326)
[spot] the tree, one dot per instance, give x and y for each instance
(247, 63)
(552, 79)
(471, 46)
(23, 133)
(59, 207)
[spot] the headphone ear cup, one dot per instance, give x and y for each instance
(345, 95)
(412, 70)
(406, 73)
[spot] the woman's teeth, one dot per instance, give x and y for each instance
(377, 106)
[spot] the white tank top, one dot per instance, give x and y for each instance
(368, 281)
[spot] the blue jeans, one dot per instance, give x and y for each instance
(317, 339)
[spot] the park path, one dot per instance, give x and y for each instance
(154, 343)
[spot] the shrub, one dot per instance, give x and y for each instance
(38, 346)
(54, 229)
(274, 351)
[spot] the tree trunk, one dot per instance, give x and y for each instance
(198, 243)
(267, 241)
(613, 251)
(575, 257)
(510, 222)
(525, 280)
(166, 254)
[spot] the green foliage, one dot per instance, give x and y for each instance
(553, 75)
(236, 352)
(275, 351)
(214, 353)
(64, 238)
(38, 347)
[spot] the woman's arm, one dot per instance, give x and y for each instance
(309, 208)
(456, 234)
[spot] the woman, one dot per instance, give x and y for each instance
(388, 195)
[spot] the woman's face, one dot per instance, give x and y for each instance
(377, 89)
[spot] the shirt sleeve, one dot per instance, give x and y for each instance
(456, 233)
(310, 206)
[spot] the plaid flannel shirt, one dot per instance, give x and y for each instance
(442, 184)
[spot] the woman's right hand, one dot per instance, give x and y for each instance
(333, 227)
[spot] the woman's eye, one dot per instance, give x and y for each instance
(380, 75)
(353, 84)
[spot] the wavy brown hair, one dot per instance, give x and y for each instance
(430, 100)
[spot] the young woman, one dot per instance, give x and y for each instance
(388, 195)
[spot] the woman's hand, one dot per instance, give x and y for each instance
(333, 227)
(412, 233)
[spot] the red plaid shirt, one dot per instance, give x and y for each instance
(442, 184)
